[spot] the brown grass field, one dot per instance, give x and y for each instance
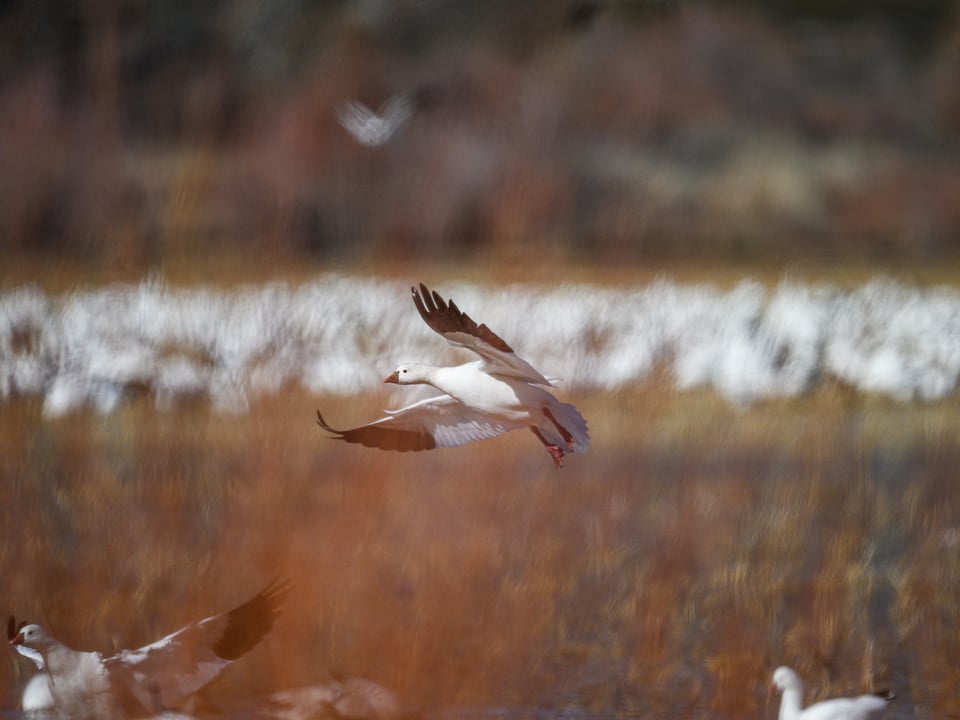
(664, 574)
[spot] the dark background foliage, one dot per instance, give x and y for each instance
(136, 134)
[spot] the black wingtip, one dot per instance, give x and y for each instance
(418, 302)
(247, 624)
(277, 590)
(13, 627)
(429, 298)
(420, 294)
(885, 694)
(338, 435)
(443, 317)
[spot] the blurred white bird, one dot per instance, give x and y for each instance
(864, 707)
(372, 129)
(482, 399)
(151, 679)
(344, 697)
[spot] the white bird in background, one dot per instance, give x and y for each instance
(370, 128)
(864, 707)
(151, 679)
(482, 399)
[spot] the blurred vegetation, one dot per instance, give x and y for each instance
(141, 136)
(664, 574)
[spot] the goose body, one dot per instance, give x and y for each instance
(481, 399)
(36, 700)
(863, 707)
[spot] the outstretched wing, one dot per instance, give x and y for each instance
(436, 422)
(163, 673)
(461, 331)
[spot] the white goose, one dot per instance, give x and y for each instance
(36, 700)
(151, 679)
(370, 128)
(864, 707)
(482, 399)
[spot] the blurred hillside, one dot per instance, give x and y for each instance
(139, 136)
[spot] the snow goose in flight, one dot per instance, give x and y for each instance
(864, 707)
(370, 128)
(482, 399)
(147, 681)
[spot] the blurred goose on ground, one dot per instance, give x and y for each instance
(151, 679)
(864, 707)
(373, 129)
(345, 697)
(483, 399)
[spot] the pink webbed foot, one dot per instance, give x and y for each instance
(557, 454)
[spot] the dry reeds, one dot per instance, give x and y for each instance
(662, 572)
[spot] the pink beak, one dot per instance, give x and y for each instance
(393, 378)
(17, 639)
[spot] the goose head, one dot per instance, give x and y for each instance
(410, 374)
(784, 678)
(32, 636)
